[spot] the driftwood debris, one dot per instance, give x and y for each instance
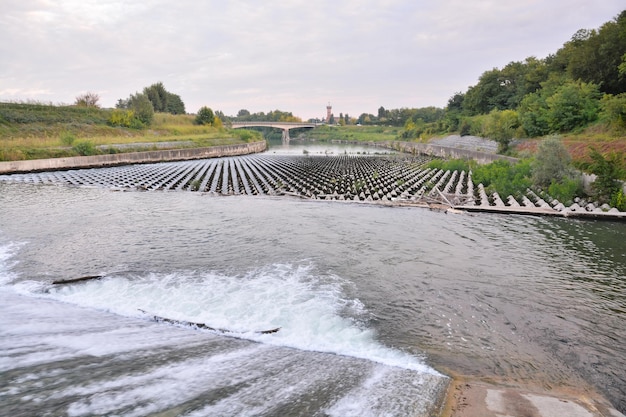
(75, 280)
(202, 326)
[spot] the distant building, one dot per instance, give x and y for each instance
(329, 112)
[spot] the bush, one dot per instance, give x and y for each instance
(618, 200)
(449, 164)
(68, 138)
(552, 163)
(87, 100)
(504, 177)
(244, 135)
(85, 148)
(614, 111)
(608, 172)
(123, 118)
(566, 190)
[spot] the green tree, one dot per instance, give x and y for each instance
(205, 116)
(614, 111)
(533, 114)
(174, 104)
(157, 94)
(142, 106)
(243, 114)
(574, 105)
(594, 56)
(486, 95)
(501, 126)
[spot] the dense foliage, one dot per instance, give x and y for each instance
(582, 83)
(154, 99)
(205, 116)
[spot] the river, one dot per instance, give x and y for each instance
(374, 304)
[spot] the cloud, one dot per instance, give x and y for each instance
(293, 56)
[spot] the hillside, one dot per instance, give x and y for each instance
(36, 130)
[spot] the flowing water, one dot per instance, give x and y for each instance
(369, 301)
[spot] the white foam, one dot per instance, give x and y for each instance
(311, 310)
(7, 261)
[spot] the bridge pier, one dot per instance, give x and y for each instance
(286, 137)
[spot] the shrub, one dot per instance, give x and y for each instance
(618, 200)
(552, 163)
(85, 148)
(68, 138)
(608, 172)
(87, 100)
(566, 190)
(123, 118)
(504, 177)
(614, 111)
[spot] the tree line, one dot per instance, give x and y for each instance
(582, 83)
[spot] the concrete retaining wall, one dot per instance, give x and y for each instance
(77, 162)
(446, 152)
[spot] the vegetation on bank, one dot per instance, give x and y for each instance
(35, 131)
(550, 170)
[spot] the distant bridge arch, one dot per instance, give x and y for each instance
(285, 126)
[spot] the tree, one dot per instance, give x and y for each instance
(205, 116)
(87, 100)
(594, 56)
(163, 101)
(552, 163)
(141, 106)
(501, 126)
(574, 105)
(174, 104)
(157, 94)
(533, 114)
(614, 111)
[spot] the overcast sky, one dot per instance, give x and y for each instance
(290, 55)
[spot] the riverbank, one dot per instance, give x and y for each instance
(473, 397)
(108, 160)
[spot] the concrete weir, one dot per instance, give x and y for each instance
(392, 179)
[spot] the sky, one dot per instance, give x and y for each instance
(290, 55)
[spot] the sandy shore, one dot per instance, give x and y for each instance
(472, 397)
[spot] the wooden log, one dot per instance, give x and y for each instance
(203, 326)
(75, 280)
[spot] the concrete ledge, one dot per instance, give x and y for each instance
(473, 398)
(77, 162)
(448, 152)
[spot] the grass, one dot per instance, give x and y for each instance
(35, 131)
(353, 133)
(596, 136)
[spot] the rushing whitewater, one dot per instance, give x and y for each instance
(87, 349)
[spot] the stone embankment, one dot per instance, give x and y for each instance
(108, 160)
(393, 180)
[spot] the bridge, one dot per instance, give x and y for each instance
(285, 126)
